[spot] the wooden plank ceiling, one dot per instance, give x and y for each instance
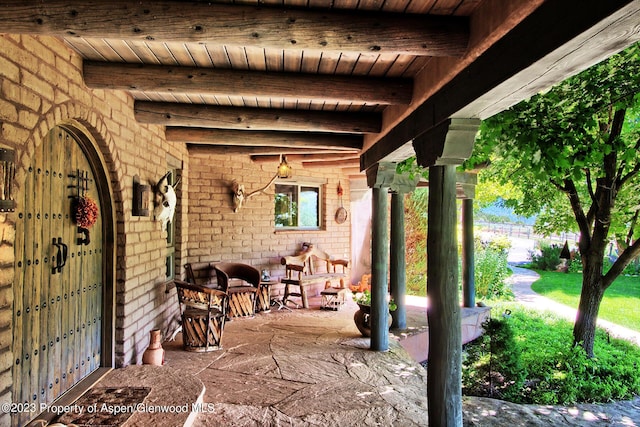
(313, 79)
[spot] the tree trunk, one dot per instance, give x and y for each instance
(584, 329)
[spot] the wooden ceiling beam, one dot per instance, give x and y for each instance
(252, 84)
(265, 139)
(332, 164)
(213, 116)
(240, 25)
(272, 152)
(308, 158)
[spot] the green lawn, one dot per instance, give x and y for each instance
(621, 303)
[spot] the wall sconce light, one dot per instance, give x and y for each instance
(141, 194)
(284, 170)
(7, 173)
(238, 192)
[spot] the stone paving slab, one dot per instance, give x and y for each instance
(491, 412)
(312, 368)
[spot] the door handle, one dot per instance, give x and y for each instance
(61, 256)
(65, 253)
(86, 239)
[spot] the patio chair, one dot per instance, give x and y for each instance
(203, 312)
(201, 274)
(242, 297)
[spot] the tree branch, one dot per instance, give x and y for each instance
(558, 185)
(623, 164)
(578, 212)
(629, 254)
(594, 200)
(634, 221)
(607, 186)
(629, 176)
(587, 173)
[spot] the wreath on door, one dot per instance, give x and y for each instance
(86, 212)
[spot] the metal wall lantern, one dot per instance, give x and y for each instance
(284, 170)
(7, 174)
(141, 194)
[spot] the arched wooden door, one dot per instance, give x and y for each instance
(58, 309)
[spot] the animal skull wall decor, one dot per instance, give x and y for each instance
(239, 196)
(166, 204)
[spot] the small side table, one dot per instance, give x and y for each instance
(263, 301)
(333, 298)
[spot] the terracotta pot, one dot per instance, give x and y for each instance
(154, 354)
(362, 319)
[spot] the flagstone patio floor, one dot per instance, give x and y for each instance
(309, 367)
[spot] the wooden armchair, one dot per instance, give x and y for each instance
(311, 266)
(242, 297)
(203, 312)
(200, 273)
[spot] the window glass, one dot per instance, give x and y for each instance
(286, 206)
(309, 206)
(297, 206)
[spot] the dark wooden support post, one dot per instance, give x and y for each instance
(445, 338)
(468, 271)
(398, 273)
(379, 269)
(379, 179)
(440, 149)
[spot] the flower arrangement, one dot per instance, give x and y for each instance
(86, 212)
(364, 298)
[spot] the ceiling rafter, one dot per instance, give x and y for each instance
(316, 157)
(241, 25)
(332, 164)
(214, 116)
(264, 138)
(170, 79)
(272, 152)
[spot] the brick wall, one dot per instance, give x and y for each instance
(218, 234)
(40, 87)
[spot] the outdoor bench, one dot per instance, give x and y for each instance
(312, 266)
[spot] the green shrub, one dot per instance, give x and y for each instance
(491, 269)
(548, 259)
(416, 241)
(557, 372)
(492, 364)
(500, 243)
(575, 265)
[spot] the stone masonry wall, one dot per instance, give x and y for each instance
(41, 86)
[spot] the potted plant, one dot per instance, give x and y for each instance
(362, 316)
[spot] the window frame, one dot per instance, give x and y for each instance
(298, 185)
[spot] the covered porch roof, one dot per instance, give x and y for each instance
(344, 84)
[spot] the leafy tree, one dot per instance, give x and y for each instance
(573, 154)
